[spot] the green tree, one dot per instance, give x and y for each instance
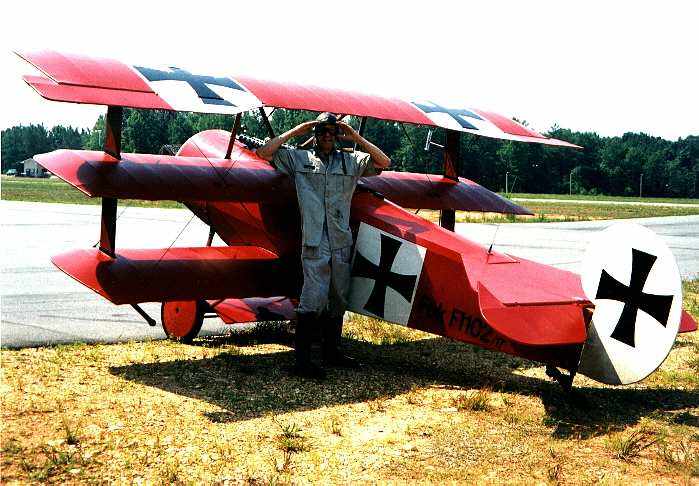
(66, 137)
(179, 129)
(94, 139)
(610, 165)
(145, 131)
(11, 154)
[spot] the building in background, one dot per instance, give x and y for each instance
(32, 169)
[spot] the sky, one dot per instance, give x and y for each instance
(604, 66)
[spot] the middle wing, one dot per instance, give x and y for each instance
(245, 178)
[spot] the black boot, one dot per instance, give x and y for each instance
(331, 351)
(304, 336)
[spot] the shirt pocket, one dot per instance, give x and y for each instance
(308, 168)
(341, 183)
(313, 176)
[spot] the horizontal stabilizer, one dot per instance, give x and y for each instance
(254, 309)
(158, 275)
(535, 325)
(687, 324)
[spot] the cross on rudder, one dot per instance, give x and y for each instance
(633, 297)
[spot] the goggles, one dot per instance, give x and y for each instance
(322, 130)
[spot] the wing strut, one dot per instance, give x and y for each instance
(212, 233)
(452, 166)
(234, 132)
(112, 146)
(265, 119)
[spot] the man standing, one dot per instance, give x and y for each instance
(325, 179)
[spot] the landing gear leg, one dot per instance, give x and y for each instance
(565, 380)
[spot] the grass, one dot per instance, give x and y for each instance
(290, 439)
(477, 401)
(626, 446)
(547, 212)
(582, 212)
(289, 442)
(335, 425)
(421, 408)
(71, 432)
(54, 190)
(601, 197)
(681, 455)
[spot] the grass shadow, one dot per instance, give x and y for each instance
(246, 386)
(589, 411)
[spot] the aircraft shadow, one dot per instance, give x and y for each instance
(247, 386)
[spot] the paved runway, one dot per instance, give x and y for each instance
(40, 305)
(563, 244)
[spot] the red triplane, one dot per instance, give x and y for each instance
(405, 270)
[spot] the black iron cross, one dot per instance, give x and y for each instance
(197, 82)
(456, 114)
(633, 297)
(383, 277)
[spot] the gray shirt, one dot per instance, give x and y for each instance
(325, 191)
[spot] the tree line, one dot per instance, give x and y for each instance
(605, 165)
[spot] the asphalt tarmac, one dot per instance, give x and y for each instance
(42, 306)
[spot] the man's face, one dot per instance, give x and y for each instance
(325, 137)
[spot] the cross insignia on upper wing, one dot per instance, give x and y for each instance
(197, 82)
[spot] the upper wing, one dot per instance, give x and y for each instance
(82, 79)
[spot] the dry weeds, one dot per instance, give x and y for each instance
(225, 410)
(546, 212)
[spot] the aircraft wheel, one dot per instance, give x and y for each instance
(182, 319)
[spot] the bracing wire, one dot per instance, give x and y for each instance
(490, 249)
(173, 242)
(225, 185)
(123, 210)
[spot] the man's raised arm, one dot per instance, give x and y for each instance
(268, 150)
(379, 159)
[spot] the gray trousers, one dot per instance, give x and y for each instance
(326, 278)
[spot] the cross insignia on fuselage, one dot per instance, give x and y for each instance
(383, 277)
(456, 114)
(197, 82)
(633, 297)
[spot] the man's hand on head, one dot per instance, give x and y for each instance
(380, 160)
(304, 128)
(347, 132)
